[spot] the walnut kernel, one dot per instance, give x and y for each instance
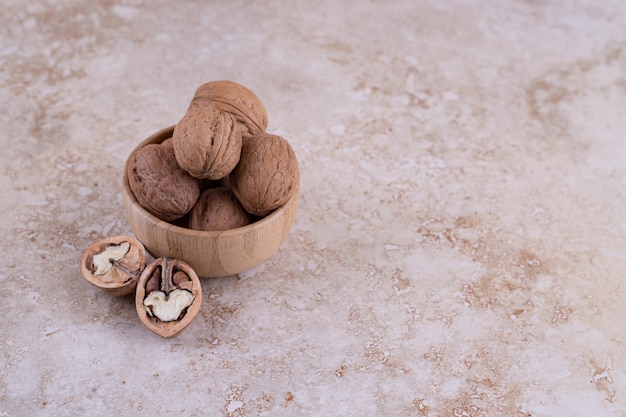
(114, 264)
(168, 296)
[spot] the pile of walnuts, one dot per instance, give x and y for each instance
(220, 169)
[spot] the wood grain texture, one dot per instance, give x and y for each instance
(209, 253)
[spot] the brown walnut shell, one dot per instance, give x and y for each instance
(207, 142)
(168, 277)
(218, 209)
(160, 185)
(267, 174)
(112, 270)
(237, 100)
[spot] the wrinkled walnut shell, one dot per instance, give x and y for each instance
(237, 100)
(167, 275)
(267, 174)
(159, 184)
(121, 274)
(218, 209)
(207, 142)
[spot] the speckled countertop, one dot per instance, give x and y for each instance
(460, 242)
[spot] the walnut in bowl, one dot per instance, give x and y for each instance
(209, 253)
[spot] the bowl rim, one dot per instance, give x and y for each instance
(161, 136)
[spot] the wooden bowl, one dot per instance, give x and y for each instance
(209, 253)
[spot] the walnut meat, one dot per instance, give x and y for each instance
(237, 100)
(159, 184)
(207, 142)
(218, 209)
(168, 296)
(114, 264)
(267, 174)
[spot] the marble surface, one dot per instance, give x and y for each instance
(459, 246)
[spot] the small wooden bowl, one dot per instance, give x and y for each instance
(209, 253)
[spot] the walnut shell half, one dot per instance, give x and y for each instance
(168, 296)
(237, 100)
(207, 142)
(159, 184)
(114, 264)
(267, 174)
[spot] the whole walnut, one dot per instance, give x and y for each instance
(267, 174)
(237, 100)
(218, 209)
(207, 142)
(159, 184)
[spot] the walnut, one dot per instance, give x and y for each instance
(218, 209)
(114, 264)
(167, 142)
(207, 142)
(237, 100)
(267, 174)
(168, 296)
(159, 184)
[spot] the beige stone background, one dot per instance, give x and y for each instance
(459, 247)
